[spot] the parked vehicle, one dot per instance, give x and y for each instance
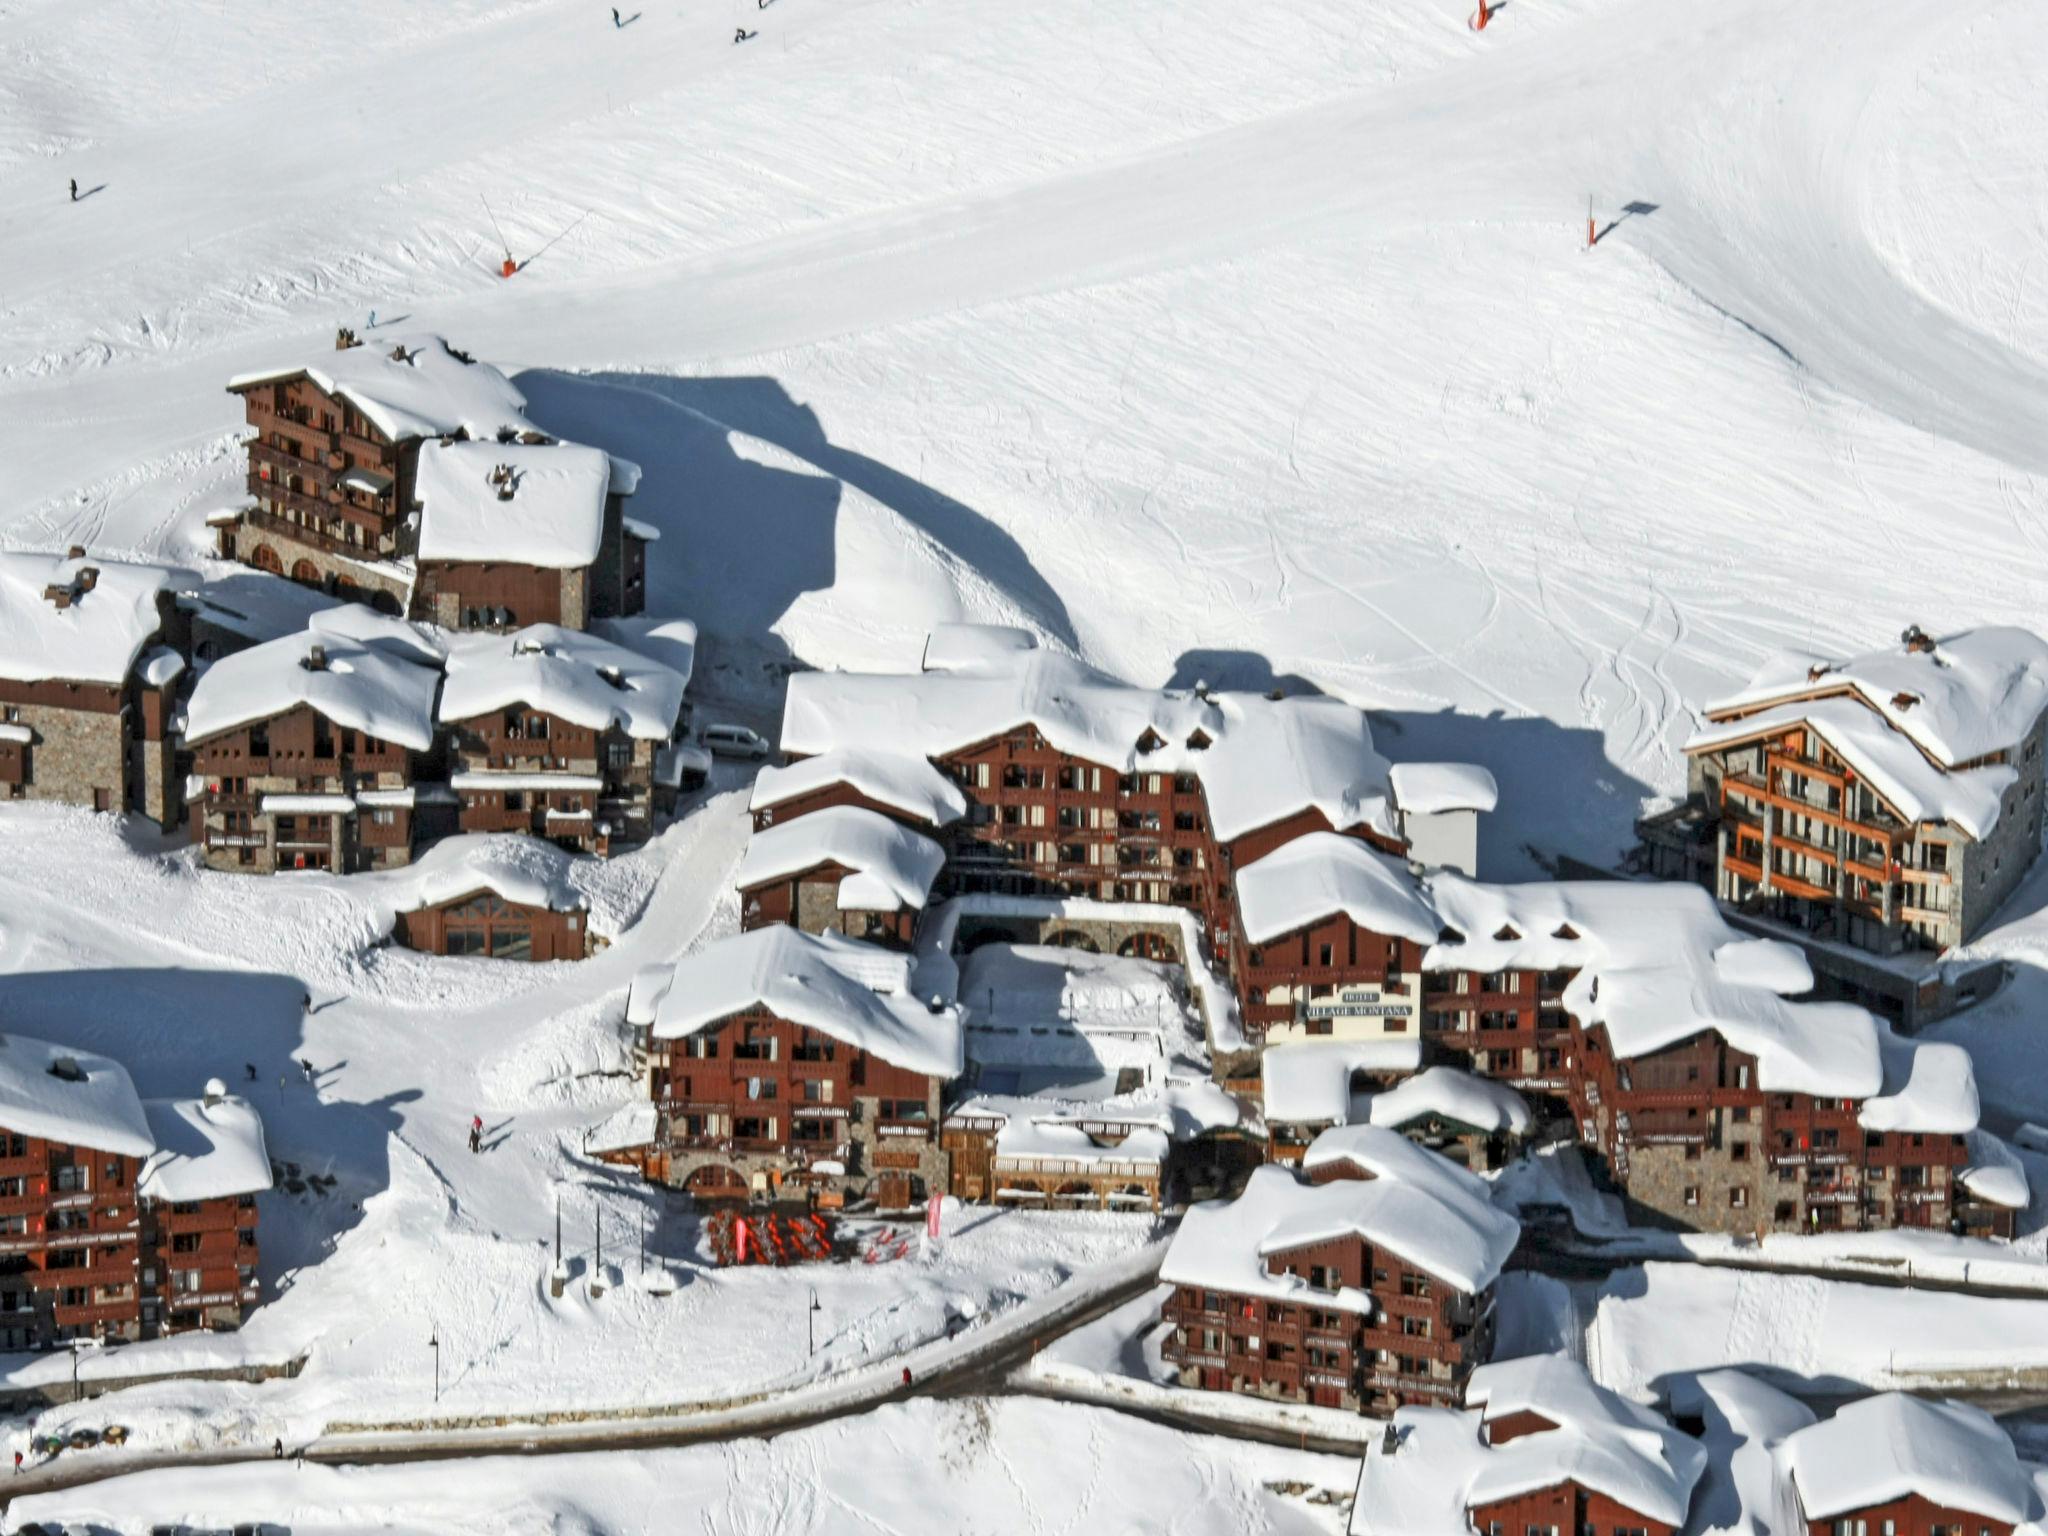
(736, 741)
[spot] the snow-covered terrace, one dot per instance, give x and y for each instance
(538, 504)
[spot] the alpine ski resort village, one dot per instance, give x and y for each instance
(858, 766)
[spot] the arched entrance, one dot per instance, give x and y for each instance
(1149, 946)
(1073, 938)
(264, 558)
(306, 573)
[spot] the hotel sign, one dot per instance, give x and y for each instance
(1361, 1003)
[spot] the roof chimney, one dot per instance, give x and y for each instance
(316, 658)
(88, 577)
(216, 1090)
(1916, 639)
(75, 552)
(398, 354)
(344, 338)
(501, 477)
(57, 595)
(67, 1068)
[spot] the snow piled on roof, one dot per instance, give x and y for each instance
(522, 869)
(1928, 1087)
(1451, 1095)
(1422, 1206)
(891, 866)
(1602, 1441)
(1995, 1173)
(1308, 1082)
(1741, 1492)
(1429, 789)
(1314, 877)
(1971, 694)
(94, 640)
(574, 676)
(554, 517)
(672, 642)
(359, 687)
(92, 1106)
(1259, 759)
(854, 992)
(1918, 788)
(401, 638)
(204, 1150)
(895, 779)
(412, 386)
(1889, 1446)
(626, 1129)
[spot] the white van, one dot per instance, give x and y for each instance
(735, 741)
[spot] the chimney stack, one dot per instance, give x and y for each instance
(316, 657)
(75, 552)
(88, 577)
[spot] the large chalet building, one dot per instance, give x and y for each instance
(508, 897)
(120, 1218)
(560, 734)
(783, 1063)
(1541, 1449)
(89, 673)
(1366, 1285)
(406, 475)
(1666, 1040)
(307, 751)
(1877, 809)
(1075, 784)
(845, 869)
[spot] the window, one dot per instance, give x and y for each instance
(72, 1176)
(1692, 1194)
(184, 1242)
(185, 1281)
(1738, 1198)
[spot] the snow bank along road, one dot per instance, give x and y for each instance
(940, 1367)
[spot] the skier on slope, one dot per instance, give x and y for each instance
(741, 34)
(74, 189)
(476, 1133)
(616, 23)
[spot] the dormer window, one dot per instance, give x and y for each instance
(1198, 740)
(1507, 933)
(1565, 931)
(1151, 741)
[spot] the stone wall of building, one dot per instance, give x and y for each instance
(79, 756)
(377, 583)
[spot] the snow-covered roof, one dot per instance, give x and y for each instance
(1929, 1088)
(1657, 964)
(892, 866)
(1308, 1082)
(553, 516)
(1424, 1207)
(205, 1150)
(526, 870)
(411, 386)
(1324, 874)
(1914, 785)
(1741, 1492)
(96, 639)
(74, 1097)
(1417, 1205)
(1892, 1445)
(1452, 1095)
(1259, 759)
(672, 642)
(631, 1126)
(903, 782)
(1602, 1441)
(574, 676)
(1959, 698)
(857, 993)
(1057, 1138)
(1177, 1111)
(1428, 789)
(364, 689)
(402, 638)
(1995, 1173)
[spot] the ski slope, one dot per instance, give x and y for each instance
(1213, 339)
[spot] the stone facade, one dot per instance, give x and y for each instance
(270, 544)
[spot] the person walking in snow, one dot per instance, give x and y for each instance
(277, 1449)
(17, 1463)
(250, 1068)
(740, 34)
(616, 23)
(476, 1133)
(306, 1069)
(74, 189)
(906, 1378)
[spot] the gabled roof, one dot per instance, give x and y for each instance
(1415, 1203)
(70, 1096)
(538, 504)
(1326, 874)
(96, 638)
(1886, 1447)
(1260, 759)
(1602, 1441)
(900, 781)
(205, 1150)
(566, 673)
(1308, 1082)
(521, 869)
(1958, 698)
(411, 386)
(1742, 1492)
(1451, 1095)
(892, 866)
(355, 686)
(854, 992)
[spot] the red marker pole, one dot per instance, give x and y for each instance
(1479, 22)
(509, 268)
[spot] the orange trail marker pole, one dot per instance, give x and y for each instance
(1592, 235)
(1479, 22)
(509, 268)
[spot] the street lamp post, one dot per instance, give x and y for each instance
(434, 1343)
(811, 1324)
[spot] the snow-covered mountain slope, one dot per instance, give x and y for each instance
(1213, 338)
